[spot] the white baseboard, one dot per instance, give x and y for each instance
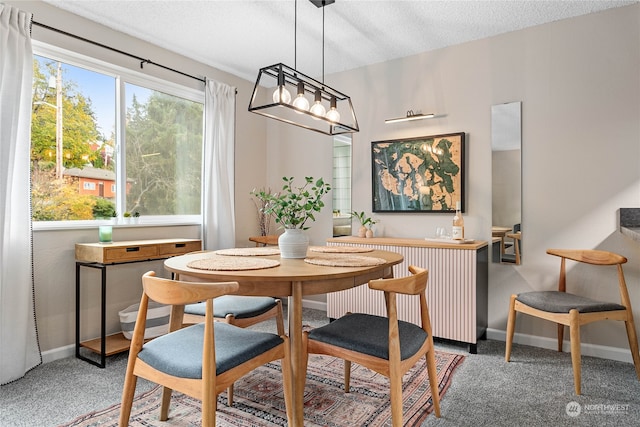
(317, 305)
(70, 350)
(601, 351)
(58, 353)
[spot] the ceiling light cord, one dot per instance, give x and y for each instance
(323, 43)
(295, 34)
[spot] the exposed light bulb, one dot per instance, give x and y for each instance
(286, 96)
(317, 109)
(332, 114)
(301, 102)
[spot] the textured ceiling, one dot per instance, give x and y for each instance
(241, 36)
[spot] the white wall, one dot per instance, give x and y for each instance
(579, 84)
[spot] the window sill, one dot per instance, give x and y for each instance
(143, 223)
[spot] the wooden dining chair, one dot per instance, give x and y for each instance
(238, 310)
(567, 309)
(515, 257)
(374, 341)
(200, 360)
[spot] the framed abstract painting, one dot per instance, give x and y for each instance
(422, 174)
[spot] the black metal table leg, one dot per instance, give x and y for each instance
(77, 309)
(103, 319)
(103, 305)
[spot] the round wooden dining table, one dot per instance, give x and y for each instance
(294, 278)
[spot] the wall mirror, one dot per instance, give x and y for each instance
(341, 185)
(506, 169)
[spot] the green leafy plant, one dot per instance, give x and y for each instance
(365, 221)
(294, 206)
(127, 214)
(136, 214)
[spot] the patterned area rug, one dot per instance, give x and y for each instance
(258, 399)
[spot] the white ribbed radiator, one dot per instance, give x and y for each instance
(452, 295)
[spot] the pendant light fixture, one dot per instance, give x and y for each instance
(331, 112)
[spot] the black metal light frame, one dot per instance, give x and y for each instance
(270, 79)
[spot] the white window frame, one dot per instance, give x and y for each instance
(122, 76)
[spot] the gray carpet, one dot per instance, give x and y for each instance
(533, 390)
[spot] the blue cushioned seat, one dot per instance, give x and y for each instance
(562, 302)
(180, 353)
(369, 334)
(241, 307)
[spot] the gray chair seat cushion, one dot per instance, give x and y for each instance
(562, 302)
(369, 334)
(241, 307)
(180, 353)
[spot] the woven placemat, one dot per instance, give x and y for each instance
(344, 260)
(339, 249)
(230, 263)
(259, 251)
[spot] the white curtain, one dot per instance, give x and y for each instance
(19, 349)
(218, 170)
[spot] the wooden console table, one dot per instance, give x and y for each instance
(457, 290)
(100, 256)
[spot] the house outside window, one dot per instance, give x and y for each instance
(92, 159)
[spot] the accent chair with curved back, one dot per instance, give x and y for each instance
(383, 344)
(567, 309)
(200, 360)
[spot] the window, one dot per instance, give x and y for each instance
(92, 159)
(163, 136)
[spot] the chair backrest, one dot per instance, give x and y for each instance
(416, 284)
(175, 292)
(589, 256)
(593, 257)
(409, 285)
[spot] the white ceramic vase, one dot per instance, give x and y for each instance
(293, 243)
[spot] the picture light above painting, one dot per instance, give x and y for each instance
(422, 174)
